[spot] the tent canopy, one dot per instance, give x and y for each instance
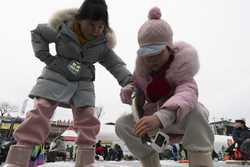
(69, 135)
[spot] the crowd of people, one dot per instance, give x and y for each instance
(108, 152)
(58, 150)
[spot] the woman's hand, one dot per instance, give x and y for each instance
(147, 124)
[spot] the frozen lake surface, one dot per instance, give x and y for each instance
(164, 163)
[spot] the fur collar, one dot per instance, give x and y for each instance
(69, 15)
(186, 63)
(184, 66)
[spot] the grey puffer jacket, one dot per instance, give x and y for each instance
(68, 49)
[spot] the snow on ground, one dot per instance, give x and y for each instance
(164, 163)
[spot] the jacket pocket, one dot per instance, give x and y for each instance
(59, 65)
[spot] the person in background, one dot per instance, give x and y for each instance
(106, 152)
(98, 144)
(82, 37)
(70, 149)
(37, 156)
(99, 150)
(164, 76)
(182, 152)
(57, 149)
(174, 152)
(240, 134)
(118, 152)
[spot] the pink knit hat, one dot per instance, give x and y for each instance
(154, 35)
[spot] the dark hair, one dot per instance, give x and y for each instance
(94, 10)
(240, 121)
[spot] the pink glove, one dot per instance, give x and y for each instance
(126, 93)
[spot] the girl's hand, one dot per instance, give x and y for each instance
(126, 93)
(147, 124)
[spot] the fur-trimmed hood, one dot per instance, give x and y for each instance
(69, 15)
(184, 66)
(186, 63)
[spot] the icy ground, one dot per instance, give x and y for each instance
(164, 163)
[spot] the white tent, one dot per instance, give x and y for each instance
(69, 135)
(107, 134)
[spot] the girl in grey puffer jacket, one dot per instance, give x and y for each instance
(82, 37)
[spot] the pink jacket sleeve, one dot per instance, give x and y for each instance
(184, 99)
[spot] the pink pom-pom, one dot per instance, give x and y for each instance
(154, 13)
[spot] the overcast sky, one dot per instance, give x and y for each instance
(218, 29)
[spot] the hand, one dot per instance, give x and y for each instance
(147, 124)
(126, 93)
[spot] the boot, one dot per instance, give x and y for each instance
(200, 159)
(18, 156)
(85, 156)
(152, 160)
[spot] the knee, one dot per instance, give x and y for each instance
(198, 135)
(200, 115)
(89, 125)
(201, 112)
(121, 126)
(85, 117)
(198, 139)
(41, 103)
(118, 128)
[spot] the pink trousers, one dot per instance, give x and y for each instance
(35, 128)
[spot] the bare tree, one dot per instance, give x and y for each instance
(99, 111)
(7, 108)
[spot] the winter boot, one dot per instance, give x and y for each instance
(18, 156)
(152, 160)
(200, 159)
(85, 156)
